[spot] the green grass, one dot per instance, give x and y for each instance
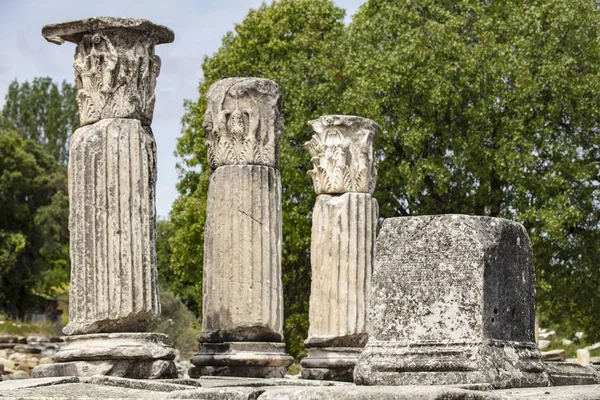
(571, 350)
(19, 328)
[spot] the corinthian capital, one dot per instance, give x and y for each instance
(342, 154)
(115, 65)
(243, 122)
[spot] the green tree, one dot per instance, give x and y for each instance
(43, 112)
(169, 279)
(297, 44)
(491, 108)
(33, 223)
(36, 122)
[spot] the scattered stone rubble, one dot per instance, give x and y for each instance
(19, 355)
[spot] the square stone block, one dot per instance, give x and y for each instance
(452, 302)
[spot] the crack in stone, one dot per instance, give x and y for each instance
(250, 216)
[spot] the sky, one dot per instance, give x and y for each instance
(199, 26)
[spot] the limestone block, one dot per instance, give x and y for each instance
(342, 245)
(342, 154)
(242, 359)
(330, 363)
(112, 175)
(452, 302)
(583, 357)
(134, 369)
(568, 374)
(554, 355)
(115, 65)
(129, 355)
(116, 346)
(243, 299)
(243, 122)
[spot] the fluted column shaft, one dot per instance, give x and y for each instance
(242, 255)
(112, 175)
(342, 245)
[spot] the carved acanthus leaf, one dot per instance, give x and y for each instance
(250, 122)
(342, 154)
(115, 65)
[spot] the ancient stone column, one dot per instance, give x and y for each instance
(342, 244)
(242, 310)
(112, 179)
(452, 302)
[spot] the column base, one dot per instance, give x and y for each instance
(243, 359)
(502, 364)
(125, 355)
(330, 363)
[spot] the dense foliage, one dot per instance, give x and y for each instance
(34, 253)
(35, 124)
(44, 112)
(486, 108)
(295, 43)
(491, 108)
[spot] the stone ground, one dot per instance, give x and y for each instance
(102, 387)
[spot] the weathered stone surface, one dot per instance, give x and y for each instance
(330, 363)
(452, 302)
(78, 390)
(116, 346)
(28, 349)
(243, 122)
(583, 357)
(371, 393)
(243, 359)
(235, 393)
(9, 339)
(165, 385)
(115, 65)
(130, 355)
(112, 175)
(342, 154)
(591, 392)
(9, 365)
(567, 374)
(125, 368)
(243, 298)
(242, 289)
(554, 355)
(342, 245)
(111, 387)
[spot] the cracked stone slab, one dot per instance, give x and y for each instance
(378, 392)
(33, 383)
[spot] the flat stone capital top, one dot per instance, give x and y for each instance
(243, 122)
(115, 65)
(342, 154)
(73, 31)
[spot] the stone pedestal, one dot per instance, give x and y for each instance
(242, 324)
(342, 244)
(452, 302)
(126, 355)
(112, 220)
(242, 359)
